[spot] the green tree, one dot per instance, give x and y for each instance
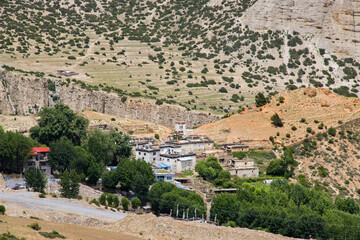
(135, 203)
(2, 210)
(93, 172)
(155, 193)
(61, 154)
(102, 199)
(1, 130)
(35, 179)
(15, 149)
(122, 147)
(224, 175)
(260, 100)
(125, 203)
(110, 179)
(69, 184)
(101, 146)
(81, 160)
(58, 121)
(276, 120)
(116, 201)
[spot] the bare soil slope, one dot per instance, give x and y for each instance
(152, 227)
(315, 105)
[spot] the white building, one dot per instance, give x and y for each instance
(151, 154)
(179, 162)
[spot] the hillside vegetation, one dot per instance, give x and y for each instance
(331, 160)
(195, 53)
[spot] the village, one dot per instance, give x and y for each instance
(172, 156)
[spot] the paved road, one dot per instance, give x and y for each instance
(24, 199)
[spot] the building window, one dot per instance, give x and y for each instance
(154, 153)
(144, 154)
(169, 178)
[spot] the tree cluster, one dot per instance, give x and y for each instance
(283, 166)
(133, 175)
(166, 197)
(291, 210)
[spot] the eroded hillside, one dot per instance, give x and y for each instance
(304, 113)
(24, 95)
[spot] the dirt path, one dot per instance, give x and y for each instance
(26, 200)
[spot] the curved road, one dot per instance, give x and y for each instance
(26, 200)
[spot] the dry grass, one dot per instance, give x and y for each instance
(19, 227)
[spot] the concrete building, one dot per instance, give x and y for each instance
(39, 159)
(193, 143)
(164, 175)
(243, 168)
(151, 154)
(179, 162)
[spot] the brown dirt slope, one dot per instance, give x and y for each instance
(152, 227)
(316, 105)
(19, 227)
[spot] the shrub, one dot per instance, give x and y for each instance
(135, 203)
(125, 203)
(35, 226)
(2, 210)
(302, 120)
(309, 130)
(42, 195)
(157, 136)
(159, 102)
(293, 128)
(288, 135)
(223, 90)
(276, 120)
(102, 199)
(53, 234)
(116, 201)
(332, 131)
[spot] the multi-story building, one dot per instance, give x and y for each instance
(39, 159)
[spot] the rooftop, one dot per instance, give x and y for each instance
(37, 150)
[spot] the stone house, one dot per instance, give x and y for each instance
(241, 167)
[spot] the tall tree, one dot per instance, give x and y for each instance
(61, 154)
(94, 172)
(101, 146)
(59, 121)
(15, 149)
(69, 183)
(35, 179)
(122, 147)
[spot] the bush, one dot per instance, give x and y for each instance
(157, 136)
(293, 128)
(135, 203)
(35, 226)
(223, 90)
(276, 120)
(102, 199)
(53, 234)
(125, 203)
(2, 210)
(332, 131)
(116, 201)
(41, 195)
(159, 102)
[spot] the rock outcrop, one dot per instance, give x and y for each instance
(335, 24)
(25, 95)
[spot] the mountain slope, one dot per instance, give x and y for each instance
(316, 106)
(203, 55)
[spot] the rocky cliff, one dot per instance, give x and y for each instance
(21, 95)
(335, 24)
